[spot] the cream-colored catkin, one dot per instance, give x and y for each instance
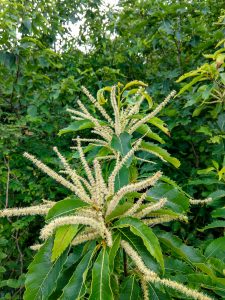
(137, 260)
(74, 177)
(199, 202)
(49, 229)
(84, 162)
(136, 206)
(165, 219)
(153, 277)
(152, 114)
(36, 247)
(150, 208)
(134, 187)
(102, 133)
(78, 113)
(120, 164)
(97, 141)
(152, 152)
(144, 287)
(193, 294)
(86, 112)
(98, 106)
(26, 211)
(115, 110)
(84, 237)
(52, 173)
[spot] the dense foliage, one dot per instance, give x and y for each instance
(42, 70)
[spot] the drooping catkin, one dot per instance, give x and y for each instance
(134, 187)
(150, 208)
(49, 229)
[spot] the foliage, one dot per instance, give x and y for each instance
(41, 70)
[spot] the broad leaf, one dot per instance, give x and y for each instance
(63, 237)
(130, 289)
(146, 234)
(177, 200)
(160, 152)
(100, 285)
(42, 273)
(145, 130)
(173, 243)
(137, 244)
(76, 126)
(122, 145)
(75, 289)
(64, 207)
(214, 224)
(216, 249)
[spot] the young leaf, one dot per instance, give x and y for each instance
(100, 286)
(63, 237)
(146, 234)
(42, 273)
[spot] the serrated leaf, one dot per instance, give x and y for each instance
(134, 82)
(113, 250)
(146, 234)
(160, 124)
(76, 126)
(145, 130)
(214, 224)
(64, 207)
(172, 242)
(100, 285)
(63, 237)
(136, 242)
(160, 152)
(75, 289)
(42, 273)
(122, 144)
(176, 200)
(130, 289)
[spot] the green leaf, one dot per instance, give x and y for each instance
(146, 234)
(63, 237)
(218, 213)
(214, 224)
(134, 82)
(100, 285)
(136, 242)
(122, 178)
(113, 250)
(145, 130)
(75, 289)
(160, 124)
(76, 126)
(42, 273)
(64, 207)
(172, 242)
(122, 144)
(177, 200)
(130, 289)
(160, 152)
(156, 294)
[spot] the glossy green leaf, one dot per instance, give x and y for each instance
(146, 234)
(130, 289)
(42, 273)
(160, 152)
(188, 253)
(177, 200)
(63, 237)
(216, 249)
(100, 285)
(64, 207)
(75, 289)
(214, 224)
(122, 144)
(145, 130)
(76, 126)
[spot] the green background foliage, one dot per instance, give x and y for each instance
(42, 66)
